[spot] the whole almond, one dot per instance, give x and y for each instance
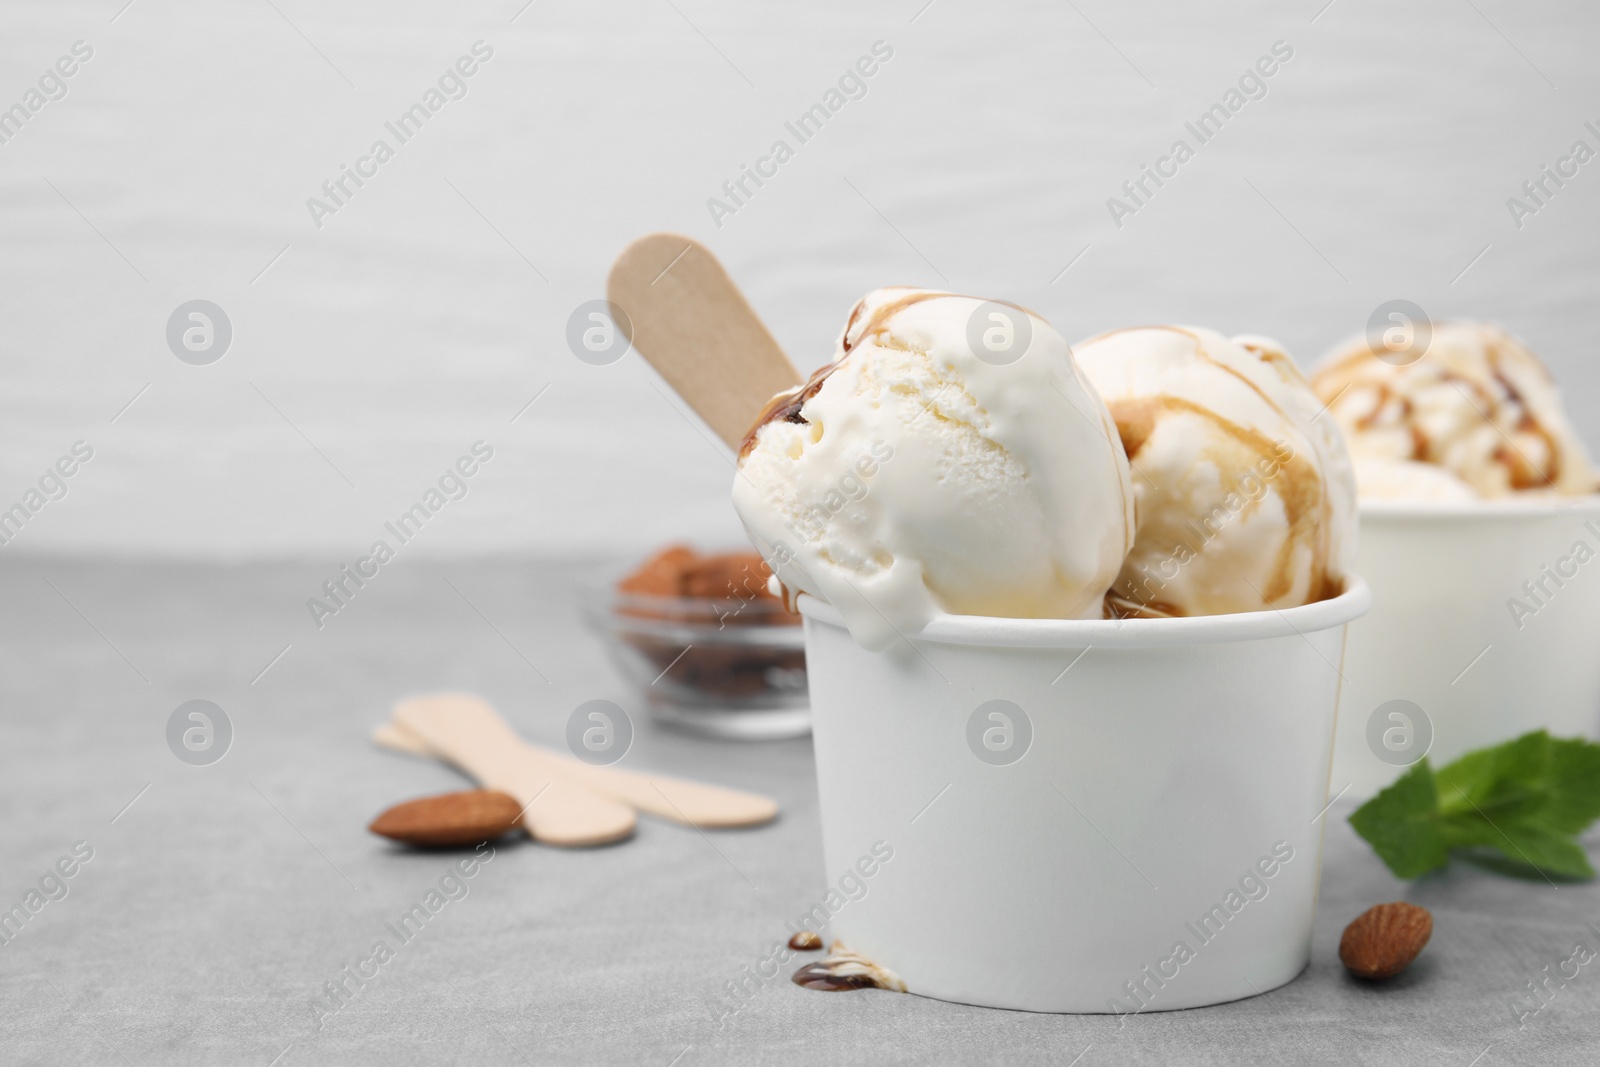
(661, 574)
(727, 576)
(1384, 939)
(449, 819)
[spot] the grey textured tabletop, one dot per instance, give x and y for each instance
(221, 900)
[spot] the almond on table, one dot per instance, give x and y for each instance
(449, 819)
(1383, 940)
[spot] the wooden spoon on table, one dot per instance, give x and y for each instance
(691, 803)
(556, 810)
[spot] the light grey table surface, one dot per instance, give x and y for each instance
(219, 903)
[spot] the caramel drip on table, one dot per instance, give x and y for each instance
(844, 970)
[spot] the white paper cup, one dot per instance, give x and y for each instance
(1155, 765)
(1447, 661)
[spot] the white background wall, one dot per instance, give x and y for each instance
(1377, 166)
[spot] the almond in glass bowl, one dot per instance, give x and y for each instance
(709, 648)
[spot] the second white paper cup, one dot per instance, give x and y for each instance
(1485, 625)
(1080, 816)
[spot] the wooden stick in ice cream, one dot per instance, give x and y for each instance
(691, 323)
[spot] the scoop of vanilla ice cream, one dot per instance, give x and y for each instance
(1306, 409)
(914, 476)
(1478, 406)
(1378, 478)
(1245, 498)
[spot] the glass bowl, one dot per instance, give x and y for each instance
(721, 667)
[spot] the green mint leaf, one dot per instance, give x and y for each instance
(1550, 782)
(1401, 824)
(1514, 808)
(1574, 777)
(1528, 845)
(1503, 782)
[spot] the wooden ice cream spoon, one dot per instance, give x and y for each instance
(692, 324)
(556, 810)
(467, 732)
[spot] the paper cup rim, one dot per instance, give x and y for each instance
(1511, 508)
(1129, 633)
